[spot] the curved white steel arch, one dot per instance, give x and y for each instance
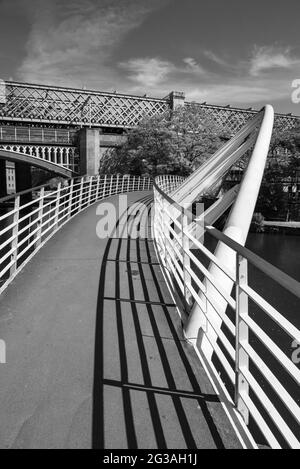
(17, 157)
(237, 226)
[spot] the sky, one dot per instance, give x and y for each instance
(235, 52)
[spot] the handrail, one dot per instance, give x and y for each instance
(27, 226)
(289, 283)
(176, 251)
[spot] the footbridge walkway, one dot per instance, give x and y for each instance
(95, 351)
(127, 321)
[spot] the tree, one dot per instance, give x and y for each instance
(281, 172)
(171, 143)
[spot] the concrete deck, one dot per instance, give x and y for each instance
(95, 353)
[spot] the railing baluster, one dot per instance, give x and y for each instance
(14, 244)
(81, 194)
(185, 257)
(57, 207)
(242, 335)
(90, 190)
(111, 185)
(71, 188)
(104, 187)
(97, 188)
(40, 218)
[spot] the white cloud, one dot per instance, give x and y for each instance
(72, 40)
(267, 58)
(152, 72)
(236, 94)
(148, 72)
(214, 58)
(193, 66)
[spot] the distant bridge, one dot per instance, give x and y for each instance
(17, 157)
(59, 106)
(73, 128)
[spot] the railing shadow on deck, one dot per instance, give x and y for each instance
(124, 385)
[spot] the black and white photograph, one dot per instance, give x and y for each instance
(149, 227)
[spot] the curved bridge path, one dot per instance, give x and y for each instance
(95, 353)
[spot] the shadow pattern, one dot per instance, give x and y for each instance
(171, 410)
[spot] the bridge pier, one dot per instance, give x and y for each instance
(92, 144)
(3, 184)
(89, 144)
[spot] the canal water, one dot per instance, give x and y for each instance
(283, 251)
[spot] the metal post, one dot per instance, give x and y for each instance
(14, 244)
(185, 249)
(242, 336)
(70, 198)
(90, 190)
(104, 187)
(81, 193)
(40, 218)
(57, 206)
(164, 228)
(111, 184)
(97, 188)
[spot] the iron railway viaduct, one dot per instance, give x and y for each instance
(67, 130)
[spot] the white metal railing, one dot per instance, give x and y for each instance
(29, 219)
(251, 379)
(62, 155)
(37, 135)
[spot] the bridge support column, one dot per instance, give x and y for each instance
(177, 99)
(89, 144)
(3, 185)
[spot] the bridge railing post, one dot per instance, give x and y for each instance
(165, 230)
(81, 194)
(104, 187)
(71, 189)
(185, 221)
(90, 190)
(15, 235)
(97, 188)
(111, 185)
(57, 206)
(242, 337)
(40, 218)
